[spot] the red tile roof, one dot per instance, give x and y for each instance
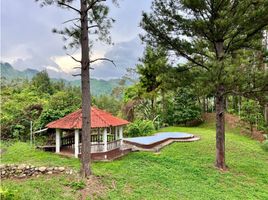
(99, 119)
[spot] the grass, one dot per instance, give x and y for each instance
(180, 171)
(22, 153)
(43, 187)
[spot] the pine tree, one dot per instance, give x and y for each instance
(151, 71)
(92, 23)
(207, 34)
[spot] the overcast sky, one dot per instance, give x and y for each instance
(27, 40)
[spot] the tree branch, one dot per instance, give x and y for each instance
(74, 58)
(249, 92)
(92, 4)
(104, 59)
(68, 6)
(173, 45)
(75, 19)
(79, 27)
(80, 68)
(93, 26)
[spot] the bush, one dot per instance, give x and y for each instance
(251, 113)
(79, 185)
(140, 128)
(7, 194)
(185, 107)
(264, 145)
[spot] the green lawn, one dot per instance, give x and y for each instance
(22, 153)
(180, 171)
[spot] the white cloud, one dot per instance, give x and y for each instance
(69, 65)
(18, 52)
(65, 63)
(124, 54)
(27, 42)
(52, 68)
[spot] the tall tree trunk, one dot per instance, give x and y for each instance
(207, 104)
(164, 106)
(204, 104)
(220, 129)
(85, 84)
(266, 113)
(220, 121)
(152, 108)
(214, 104)
(226, 103)
(239, 105)
(251, 128)
(199, 102)
(234, 103)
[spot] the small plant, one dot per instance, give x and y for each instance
(77, 185)
(264, 145)
(185, 108)
(7, 194)
(140, 128)
(250, 113)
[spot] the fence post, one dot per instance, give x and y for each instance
(58, 134)
(105, 139)
(76, 142)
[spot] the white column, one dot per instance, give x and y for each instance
(121, 135)
(58, 134)
(76, 142)
(105, 139)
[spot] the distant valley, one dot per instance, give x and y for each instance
(98, 86)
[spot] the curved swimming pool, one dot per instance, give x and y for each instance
(150, 141)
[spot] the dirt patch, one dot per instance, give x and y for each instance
(94, 189)
(2, 151)
(208, 117)
(231, 120)
(234, 122)
(257, 135)
(127, 189)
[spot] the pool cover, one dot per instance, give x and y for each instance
(147, 140)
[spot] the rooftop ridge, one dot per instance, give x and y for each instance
(99, 119)
(96, 113)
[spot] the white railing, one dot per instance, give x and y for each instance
(99, 147)
(95, 148)
(113, 145)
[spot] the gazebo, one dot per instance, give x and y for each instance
(106, 134)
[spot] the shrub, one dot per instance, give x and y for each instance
(185, 108)
(79, 185)
(140, 128)
(264, 145)
(7, 194)
(250, 113)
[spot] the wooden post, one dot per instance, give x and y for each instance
(105, 139)
(76, 142)
(116, 133)
(58, 140)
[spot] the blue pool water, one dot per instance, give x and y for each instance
(146, 140)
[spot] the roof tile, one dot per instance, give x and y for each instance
(99, 119)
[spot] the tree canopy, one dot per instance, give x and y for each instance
(209, 34)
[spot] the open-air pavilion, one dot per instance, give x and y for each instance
(106, 134)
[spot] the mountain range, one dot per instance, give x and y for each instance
(98, 86)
